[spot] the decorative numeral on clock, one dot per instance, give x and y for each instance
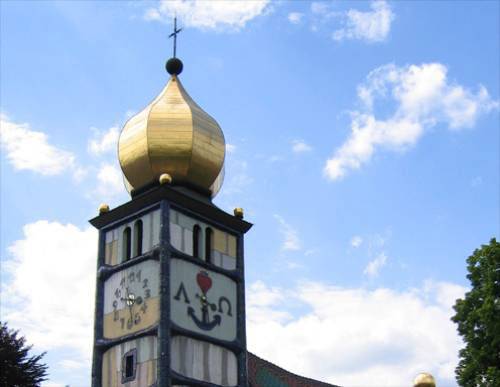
(144, 283)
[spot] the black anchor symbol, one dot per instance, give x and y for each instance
(205, 323)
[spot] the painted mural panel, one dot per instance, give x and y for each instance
(223, 244)
(203, 301)
(204, 361)
(117, 371)
(131, 299)
(116, 244)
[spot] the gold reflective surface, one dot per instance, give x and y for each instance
(165, 178)
(424, 380)
(103, 208)
(173, 135)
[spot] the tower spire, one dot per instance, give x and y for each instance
(174, 35)
(174, 65)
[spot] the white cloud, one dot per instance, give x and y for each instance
(104, 141)
(79, 174)
(291, 240)
(295, 17)
(371, 26)
(299, 146)
(423, 97)
(129, 114)
(356, 241)
(51, 384)
(374, 266)
(275, 158)
(110, 181)
(352, 336)
(30, 150)
(230, 148)
(261, 300)
(319, 7)
(72, 364)
(215, 14)
(237, 177)
(48, 292)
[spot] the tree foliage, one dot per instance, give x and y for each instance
(478, 320)
(17, 368)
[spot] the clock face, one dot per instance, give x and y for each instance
(131, 299)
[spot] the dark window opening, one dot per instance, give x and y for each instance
(138, 238)
(196, 241)
(127, 244)
(209, 234)
(129, 365)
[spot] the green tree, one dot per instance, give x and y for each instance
(478, 320)
(17, 368)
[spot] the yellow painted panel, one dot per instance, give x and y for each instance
(151, 375)
(105, 369)
(107, 253)
(118, 326)
(114, 252)
(114, 369)
(111, 253)
(151, 379)
(231, 244)
(109, 368)
(220, 243)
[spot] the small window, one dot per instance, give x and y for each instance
(138, 238)
(196, 241)
(129, 366)
(127, 244)
(209, 236)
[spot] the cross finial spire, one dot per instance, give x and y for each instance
(174, 35)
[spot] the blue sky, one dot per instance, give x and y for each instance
(363, 143)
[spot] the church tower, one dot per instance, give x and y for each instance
(170, 297)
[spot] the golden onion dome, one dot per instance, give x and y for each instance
(173, 136)
(424, 380)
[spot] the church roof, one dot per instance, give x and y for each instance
(262, 373)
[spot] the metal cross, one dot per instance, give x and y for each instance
(174, 35)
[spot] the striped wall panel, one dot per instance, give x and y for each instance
(204, 361)
(146, 363)
(181, 237)
(150, 237)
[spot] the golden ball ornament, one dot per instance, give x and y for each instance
(165, 178)
(424, 380)
(238, 212)
(103, 208)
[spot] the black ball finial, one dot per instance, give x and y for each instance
(174, 66)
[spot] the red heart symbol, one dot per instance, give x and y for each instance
(204, 281)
